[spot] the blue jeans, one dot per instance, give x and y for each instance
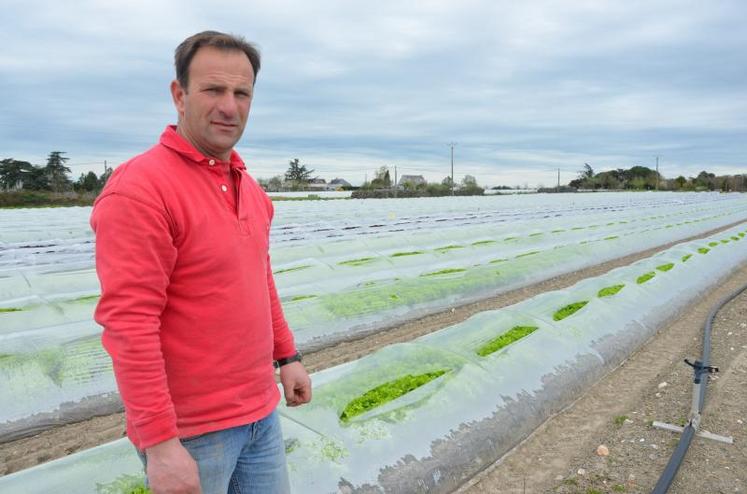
(241, 460)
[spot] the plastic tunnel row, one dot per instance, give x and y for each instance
(57, 372)
(343, 266)
(40, 239)
(429, 414)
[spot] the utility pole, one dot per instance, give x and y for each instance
(452, 144)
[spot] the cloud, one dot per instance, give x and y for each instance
(525, 88)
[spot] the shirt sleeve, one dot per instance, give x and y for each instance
(284, 345)
(135, 256)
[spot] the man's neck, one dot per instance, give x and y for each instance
(208, 154)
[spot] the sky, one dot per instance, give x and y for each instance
(523, 89)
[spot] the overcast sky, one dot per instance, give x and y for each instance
(523, 88)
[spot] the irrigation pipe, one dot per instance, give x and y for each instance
(699, 390)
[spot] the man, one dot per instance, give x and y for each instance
(190, 312)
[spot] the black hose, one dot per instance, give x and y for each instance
(667, 476)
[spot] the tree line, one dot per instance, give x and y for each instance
(643, 178)
(16, 175)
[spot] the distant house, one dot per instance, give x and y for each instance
(317, 184)
(339, 183)
(413, 180)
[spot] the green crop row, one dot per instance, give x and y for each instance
(387, 392)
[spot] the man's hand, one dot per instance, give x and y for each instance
(171, 469)
(296, 384)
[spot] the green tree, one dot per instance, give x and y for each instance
(586, 173)
(680, 182)
(37, 179)
(705, 180)
(381, 180)
(87, 182)
(13, 173)
(297, 172)
(57, 171)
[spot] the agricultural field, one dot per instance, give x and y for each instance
(400, 417)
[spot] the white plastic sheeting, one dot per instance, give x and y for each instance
(332, 288)
(442, 433)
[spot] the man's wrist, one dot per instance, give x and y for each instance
(296, 357)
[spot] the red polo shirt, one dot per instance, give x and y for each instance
(191, 316)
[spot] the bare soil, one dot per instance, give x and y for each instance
(654, 384)
(550, 459)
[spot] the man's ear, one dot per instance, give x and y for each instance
(177, 94)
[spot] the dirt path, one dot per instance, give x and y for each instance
(653, 384)
(65, 440)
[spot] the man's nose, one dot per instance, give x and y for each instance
(228, 105)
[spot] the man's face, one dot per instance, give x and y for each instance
(213, 109)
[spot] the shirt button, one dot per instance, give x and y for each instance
(211, 162)
(223, 188)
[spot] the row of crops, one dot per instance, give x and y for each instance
(54, 370)
(429, 414)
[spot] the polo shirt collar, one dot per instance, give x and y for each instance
(172, 140)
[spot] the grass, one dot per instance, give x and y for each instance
(713, 244)
(618, 488)
(665, 267)
(742, 234)
(445, 271)
(514, 334)
(569, 310)
(685, 258)
(409, 253)
(295, 268)
(613, 237)
(87, 298)
(735, 238)
(387, 392)
(528, 254)
(356, 262)
(536, 234)
(608, 291)
(704, 250)
(483, 242)
(645, 277)
(725, 241)
(496, 261)
(10, 309)
(559, 230)
(620, 420)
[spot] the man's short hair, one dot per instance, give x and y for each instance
(187, 49)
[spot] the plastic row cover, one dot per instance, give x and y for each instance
(63, 374)
(474, 408)
(29, 238)
(347, 263)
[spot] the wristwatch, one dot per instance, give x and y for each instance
(287, 360)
